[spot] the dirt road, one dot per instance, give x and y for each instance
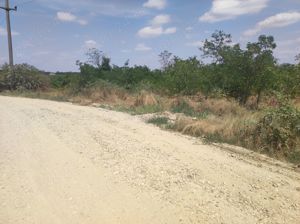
(66, 164)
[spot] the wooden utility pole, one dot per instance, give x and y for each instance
(10, 48)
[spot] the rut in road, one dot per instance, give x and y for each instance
(61, 163)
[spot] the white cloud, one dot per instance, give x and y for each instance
(66, 16)
(170, 30)
(195, 44)
(3, 32)
(150, 32)
(230, 9)
(278, 20)
(89, 44)
(160, 20)
(116, 8)
(157, 4)
(142, 47)
(69, 17)
(156, 28)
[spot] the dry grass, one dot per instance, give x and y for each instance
(201, 128)
(145, 99)
(297, 102)
(222, 107)
(229, 128)
(106, 94)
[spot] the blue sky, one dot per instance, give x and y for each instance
(53, 34)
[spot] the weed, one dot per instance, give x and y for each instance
(294, 157)
(279, 130)
(149, 109)
(182, 106)
(159, 121)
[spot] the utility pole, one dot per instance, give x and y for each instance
(10, 48)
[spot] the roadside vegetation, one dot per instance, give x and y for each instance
(241, 97)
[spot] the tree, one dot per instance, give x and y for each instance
(297, 59)
(235, 74)
(216, 46)
(95, 57)
(183, 76)
(261, 54)
(126, 64)
(165, 59)
(105, 64)
(241, 73)
(288, 79)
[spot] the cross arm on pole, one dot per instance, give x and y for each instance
(9, 9)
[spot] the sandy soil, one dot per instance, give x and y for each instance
(67, 164)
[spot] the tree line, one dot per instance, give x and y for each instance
(229, 70)
(236, 72)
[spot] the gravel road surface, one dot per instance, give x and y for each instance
(67, 164)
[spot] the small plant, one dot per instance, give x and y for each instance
(159, 121)
(183, 107)
(294, 157)
(149, 109)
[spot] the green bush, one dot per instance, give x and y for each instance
(159, 121)
(278, 132)
(63, 80)
(182, 106)
(184, 76)
(22, 77)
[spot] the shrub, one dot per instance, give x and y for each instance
(187, 108)
(182, 106)
(62, 80)
(23, 77)
(159, 121)
(278, 132)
